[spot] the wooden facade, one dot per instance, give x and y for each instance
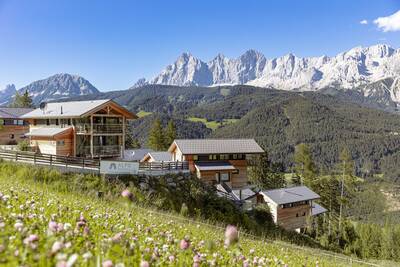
(12, 134)
(235, 178)
(61, 144)
(98, 133)
(293, 210)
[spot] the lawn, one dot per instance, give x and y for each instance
(44, 226)
(143, 113)
(213, 125)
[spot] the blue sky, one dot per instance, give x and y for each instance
(113, 43)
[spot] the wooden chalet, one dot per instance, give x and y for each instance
(217, 161)
(291, 207)
(91, 129)
(13, 128)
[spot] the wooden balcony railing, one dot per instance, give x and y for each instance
(99, 128)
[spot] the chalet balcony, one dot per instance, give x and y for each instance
(99, 128)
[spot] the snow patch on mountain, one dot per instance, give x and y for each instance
(355, 68)
(58, 86)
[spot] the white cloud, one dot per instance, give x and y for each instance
(389, 23)
(364, 22)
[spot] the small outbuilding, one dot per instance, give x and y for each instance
(291, 207)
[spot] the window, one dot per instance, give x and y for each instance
(297, 215)
(288, 205)
(212, 157)
(41, 122)
(47, 122)
(195, 157)
(234, 156)
(224, 156)
(60, 143)
(11, 136)
(304, 213)
(15, 122)
(225, 177)
(20, 122)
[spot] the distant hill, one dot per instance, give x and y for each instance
(55, 87)
(277, 119)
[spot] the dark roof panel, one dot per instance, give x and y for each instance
(291, 194)
(13, 113)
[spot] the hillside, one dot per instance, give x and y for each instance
(46, 230)
(324, 123)
(277, 119)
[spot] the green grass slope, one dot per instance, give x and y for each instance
(43, 225)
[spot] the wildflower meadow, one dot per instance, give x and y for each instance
(40, 226)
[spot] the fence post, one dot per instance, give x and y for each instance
(83, 163)
(34, 158)
(16, 155)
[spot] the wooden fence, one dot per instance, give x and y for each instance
(84, 163)
(50, 160)
(164, 165)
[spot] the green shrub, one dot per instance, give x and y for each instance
(184, 210)
(23, 145)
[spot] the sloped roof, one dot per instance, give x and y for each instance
(244, 194)
(136, 154)
(160, 156)
(47, 131)
(290, 195)
(217, 146)
(214, 166)
(13, 113)
(70, 109)
(317, 209)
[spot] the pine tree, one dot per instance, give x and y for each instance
(304, 165)
(131, 142)
(22, 101)
(156, 139)
(263, 174)
(347, 170)
(170, 134)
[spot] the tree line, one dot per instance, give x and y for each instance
(356, 221)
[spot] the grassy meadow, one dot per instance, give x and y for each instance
(44, 224)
